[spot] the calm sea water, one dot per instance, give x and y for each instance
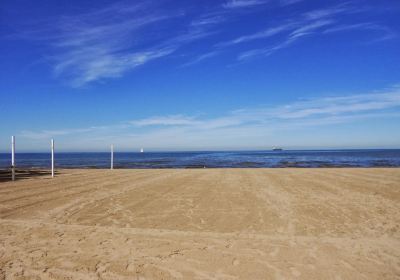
(316, 158)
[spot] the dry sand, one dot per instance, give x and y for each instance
(202, 224)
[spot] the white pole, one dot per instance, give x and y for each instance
(112, 156)
(13, 158)
(52, 158)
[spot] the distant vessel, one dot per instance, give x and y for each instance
(141, 150)
(277, 149)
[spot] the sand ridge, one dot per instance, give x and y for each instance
(202, 224)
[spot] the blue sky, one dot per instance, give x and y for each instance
(199, 75)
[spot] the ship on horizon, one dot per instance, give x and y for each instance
(277, 149)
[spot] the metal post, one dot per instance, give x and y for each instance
(112, 156)
(52, 158)
(13, 158)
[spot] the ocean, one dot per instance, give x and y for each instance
(214, 159)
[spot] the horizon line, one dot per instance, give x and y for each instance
(201, 151)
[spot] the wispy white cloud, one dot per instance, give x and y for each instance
(242, 127)
(175, 120)
(309, 28)
(289, 2)
(202, 57)
(320, 21)
(102, 44)
(208, 19)
(309, 21)
(343, 8)
(383, 32)
(234, 4)
(269, 32)
(47, 134)
(88, 65)
(109, 42)
(293, 36)
(334, 106)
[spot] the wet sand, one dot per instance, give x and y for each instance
(202, 224)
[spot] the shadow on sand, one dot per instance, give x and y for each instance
(20, 174)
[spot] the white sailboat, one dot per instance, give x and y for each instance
(141, 150)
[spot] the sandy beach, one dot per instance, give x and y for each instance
(202, 224)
